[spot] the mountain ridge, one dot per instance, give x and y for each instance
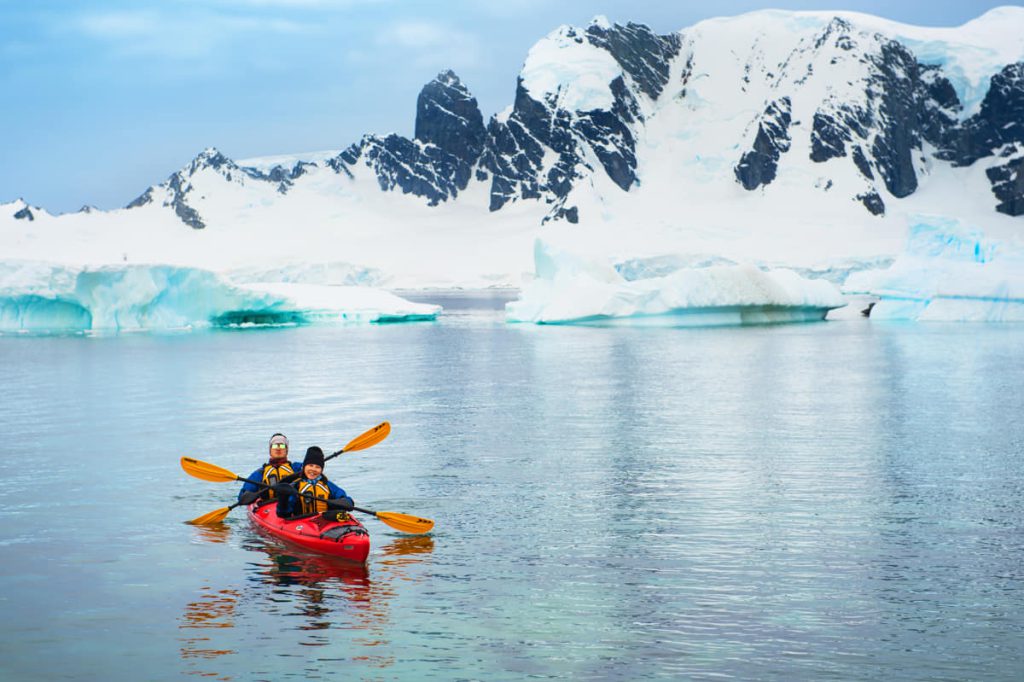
(801, 118)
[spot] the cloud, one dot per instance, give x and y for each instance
(416, 34)
(181, 34)
(429, 43)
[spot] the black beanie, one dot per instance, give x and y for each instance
(314, 455)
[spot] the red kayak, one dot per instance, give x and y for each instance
(343, 539)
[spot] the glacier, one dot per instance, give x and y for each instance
(570, 289)
(40, 297)
(948, 271)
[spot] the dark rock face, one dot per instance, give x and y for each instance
(1008, 186)
(24, 214)
(284, 177)
(861, 161)
(141, 200)
(996, 130)
(900, 121)
(872, 202)
(641, 54)
(757, 167)
(179, 192)
(828, 138)
(438, 163)
(905, 105)
(999, 122)
(540, 150)
(448, 116)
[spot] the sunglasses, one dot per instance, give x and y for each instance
(278, 446)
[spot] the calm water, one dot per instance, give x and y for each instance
(832, 501)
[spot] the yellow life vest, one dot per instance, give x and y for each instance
(272, 475)
(319, 490)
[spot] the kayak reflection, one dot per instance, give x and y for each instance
(294, 568)
(321, 601)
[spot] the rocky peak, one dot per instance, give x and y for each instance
(448, 116)
(210, 158)
(24, 212)
(438, 162)
(838, 30)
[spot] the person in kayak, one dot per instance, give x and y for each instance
(270, 474)
(308, 492)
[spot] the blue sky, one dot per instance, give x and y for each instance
(103, 98)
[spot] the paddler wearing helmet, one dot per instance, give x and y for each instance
(270, 474)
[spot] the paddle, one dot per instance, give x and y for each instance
(215, 474)
(361, 442)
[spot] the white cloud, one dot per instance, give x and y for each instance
(416, 34)
(116, 25)
(181, 34)
(428, 43)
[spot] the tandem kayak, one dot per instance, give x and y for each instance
(343, 539)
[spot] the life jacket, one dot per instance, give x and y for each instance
(318, 489)
(272, 475)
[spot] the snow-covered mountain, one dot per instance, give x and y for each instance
(783, 138)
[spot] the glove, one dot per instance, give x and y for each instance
(284, 490)
(248, 497)
(345, 503)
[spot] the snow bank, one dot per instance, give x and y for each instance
(572, 290)
(46, 297)
(332, 273)
(948, 272)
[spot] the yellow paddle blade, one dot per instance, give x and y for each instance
(210, 518)
(405, 522)
(207, 471)
(370, 438)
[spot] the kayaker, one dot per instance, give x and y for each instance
(311, 483)
(273, 472)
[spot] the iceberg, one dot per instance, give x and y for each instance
(571, 290)
(50, 298)
(947, 272)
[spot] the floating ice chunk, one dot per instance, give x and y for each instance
(572, 290)
(44, 297)
(319, 303)
(948, 272)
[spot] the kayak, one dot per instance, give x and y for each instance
(343, 539)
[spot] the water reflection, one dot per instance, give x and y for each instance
(212, 609)
(400, 551)
(217, 532)
(313, 597)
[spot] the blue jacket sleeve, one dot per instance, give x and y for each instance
(251, 487)
(336, 491)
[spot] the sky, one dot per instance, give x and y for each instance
(99, 99)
